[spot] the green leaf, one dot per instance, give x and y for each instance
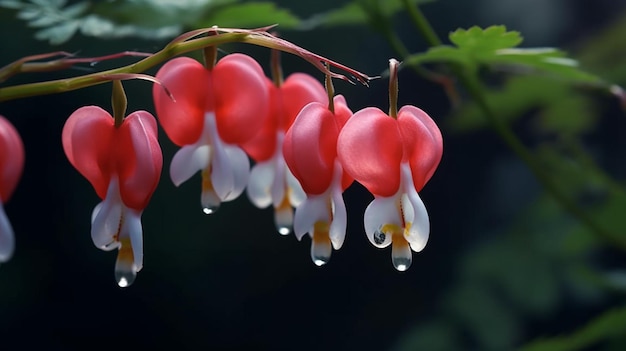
(358, 12)
(250, 15)
(486, 40)
(609, 325)
(496, 48)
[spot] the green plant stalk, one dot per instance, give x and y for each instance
(69, 84)
(176, 48)
(476, 90)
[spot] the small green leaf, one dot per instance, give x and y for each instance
(488, 40)
(250, 15)
(359, 12)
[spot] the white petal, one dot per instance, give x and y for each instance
(279, 183)
(415, 213)
(132, 221)
(340, 217)
(230, 170)
(337, 230)
(258, 189)
(296, 193)
(7, 239)
(381, 211)
(106, 218)
(187, 161)
(313, 209)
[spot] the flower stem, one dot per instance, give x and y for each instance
(277, 69)
(330, 90)
(475, 88)
(179, 46)
(118, 103)
(393, 88)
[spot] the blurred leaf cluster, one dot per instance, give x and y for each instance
(57, 21)
(553, 253)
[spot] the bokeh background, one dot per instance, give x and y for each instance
(505, 264)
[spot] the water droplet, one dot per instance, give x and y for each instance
(125, 271)
(401, 263)
(283, 218)
(320, 261)
(208, 198)
(210, 209)
(320, 249)
(124, 277)
(284, 230)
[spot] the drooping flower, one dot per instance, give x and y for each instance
(11, 167)
(215, 110)
(310, 150)
(271, 182)
(393, 155)
(123, 164)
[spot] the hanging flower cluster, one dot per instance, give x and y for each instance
(11, 167)
(307, 147)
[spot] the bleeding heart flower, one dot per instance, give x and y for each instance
(393, 156)
(271, 182)
(11, 167)
(214, 112)
(123, 165)
(310, 150)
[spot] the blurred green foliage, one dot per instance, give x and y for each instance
(518, 284)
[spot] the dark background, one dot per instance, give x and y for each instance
(229, 281)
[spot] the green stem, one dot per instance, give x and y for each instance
(393, 88)
(174, 49)
(210, 56)
(476, 90)
(277, 69)
(422, 24)
(118, 103)
(330, 91)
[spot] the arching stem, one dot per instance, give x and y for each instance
(393, 87)
(118, 103)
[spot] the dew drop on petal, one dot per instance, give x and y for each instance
(401, 255)
(210, 202)
(283, 218)
(125, 270)
(320, 244)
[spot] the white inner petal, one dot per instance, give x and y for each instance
(296, 193)
(259, 184)
(189, 160)
(195, 157)
(339, 223)
(313, 209)
(381, 211)
(133, 229)
(230, 167)
(7, 239)
(106, 219)
(414, 212)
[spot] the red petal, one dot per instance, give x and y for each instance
(11, 159)
(297, 91)
(422, 141)
(263, 145)
(286, 102)
(138, 158)
(310, 147)
(87, 139)
(370, 150)
(190, 84)
(342, 114)
(241, 98)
